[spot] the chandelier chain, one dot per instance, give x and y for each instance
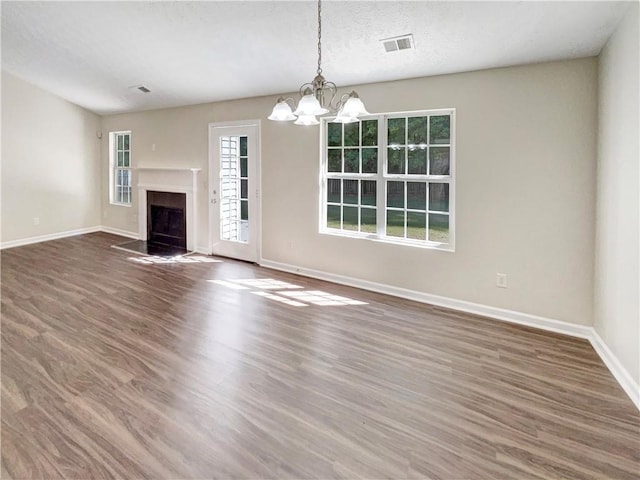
(319, 39)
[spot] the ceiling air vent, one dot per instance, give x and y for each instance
(403, 42)
(142, 88)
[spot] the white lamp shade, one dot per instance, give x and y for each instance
(344, 119)
(281, 112)
(307, 120)
(309, 106)
(353, 108)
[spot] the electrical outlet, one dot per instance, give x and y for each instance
(501, 280)
(36, 220)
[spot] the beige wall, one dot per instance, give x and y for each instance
(617, 287)
(526, 150)
(50, 163)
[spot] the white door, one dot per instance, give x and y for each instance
(234, 190)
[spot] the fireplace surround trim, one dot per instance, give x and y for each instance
(171, 180)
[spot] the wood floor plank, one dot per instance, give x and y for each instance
(112, 368)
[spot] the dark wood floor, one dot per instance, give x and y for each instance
(116, 368)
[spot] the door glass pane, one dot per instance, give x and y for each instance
(234, 191)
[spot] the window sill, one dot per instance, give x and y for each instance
(120, 204)
(423, 245)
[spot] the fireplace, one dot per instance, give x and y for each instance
(167, 182)
(166, 218)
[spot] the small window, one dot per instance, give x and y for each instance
(390, 177)
(120, 168)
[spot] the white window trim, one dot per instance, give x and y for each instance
(113, 166)
(381, 178)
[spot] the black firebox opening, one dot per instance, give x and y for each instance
(166, 218)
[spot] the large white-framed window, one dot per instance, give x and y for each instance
(390, 177)
(120, 168)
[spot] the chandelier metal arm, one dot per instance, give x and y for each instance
(314, 99)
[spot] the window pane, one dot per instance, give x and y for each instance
(244, 188)
(368, 220)
(350, 191)
(416, 225)
(368, 192)
(439, 228)
(369, 160)
(126, 142)
(417, 161)
(395, 194)
(395, 159)
(439, 197)
(127, 178)
(120, 141)
(395, 223)
(350, 218)
(333, 190)
(417, 128)
(351, 160)
(417, 195)
(395, 133)
(439, 161)
(334, 134)
(243, 146)
(126, 160)
(335, 160)
(370, 132)
(121, 159)
(333, 216)
(439, 129)
(243, 168)
(352, 134)
(244, 210)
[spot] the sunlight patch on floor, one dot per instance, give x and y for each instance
(176, 259)
(280, 299)
(266, 283)
(287, 293)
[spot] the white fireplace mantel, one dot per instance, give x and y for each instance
(169, 179)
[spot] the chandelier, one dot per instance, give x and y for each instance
(319, 98)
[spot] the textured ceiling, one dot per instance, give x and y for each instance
(90, 53)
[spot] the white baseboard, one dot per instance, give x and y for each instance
(50, 236)
(623, 377)
(122, 233)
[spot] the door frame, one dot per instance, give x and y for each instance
(210, 180)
